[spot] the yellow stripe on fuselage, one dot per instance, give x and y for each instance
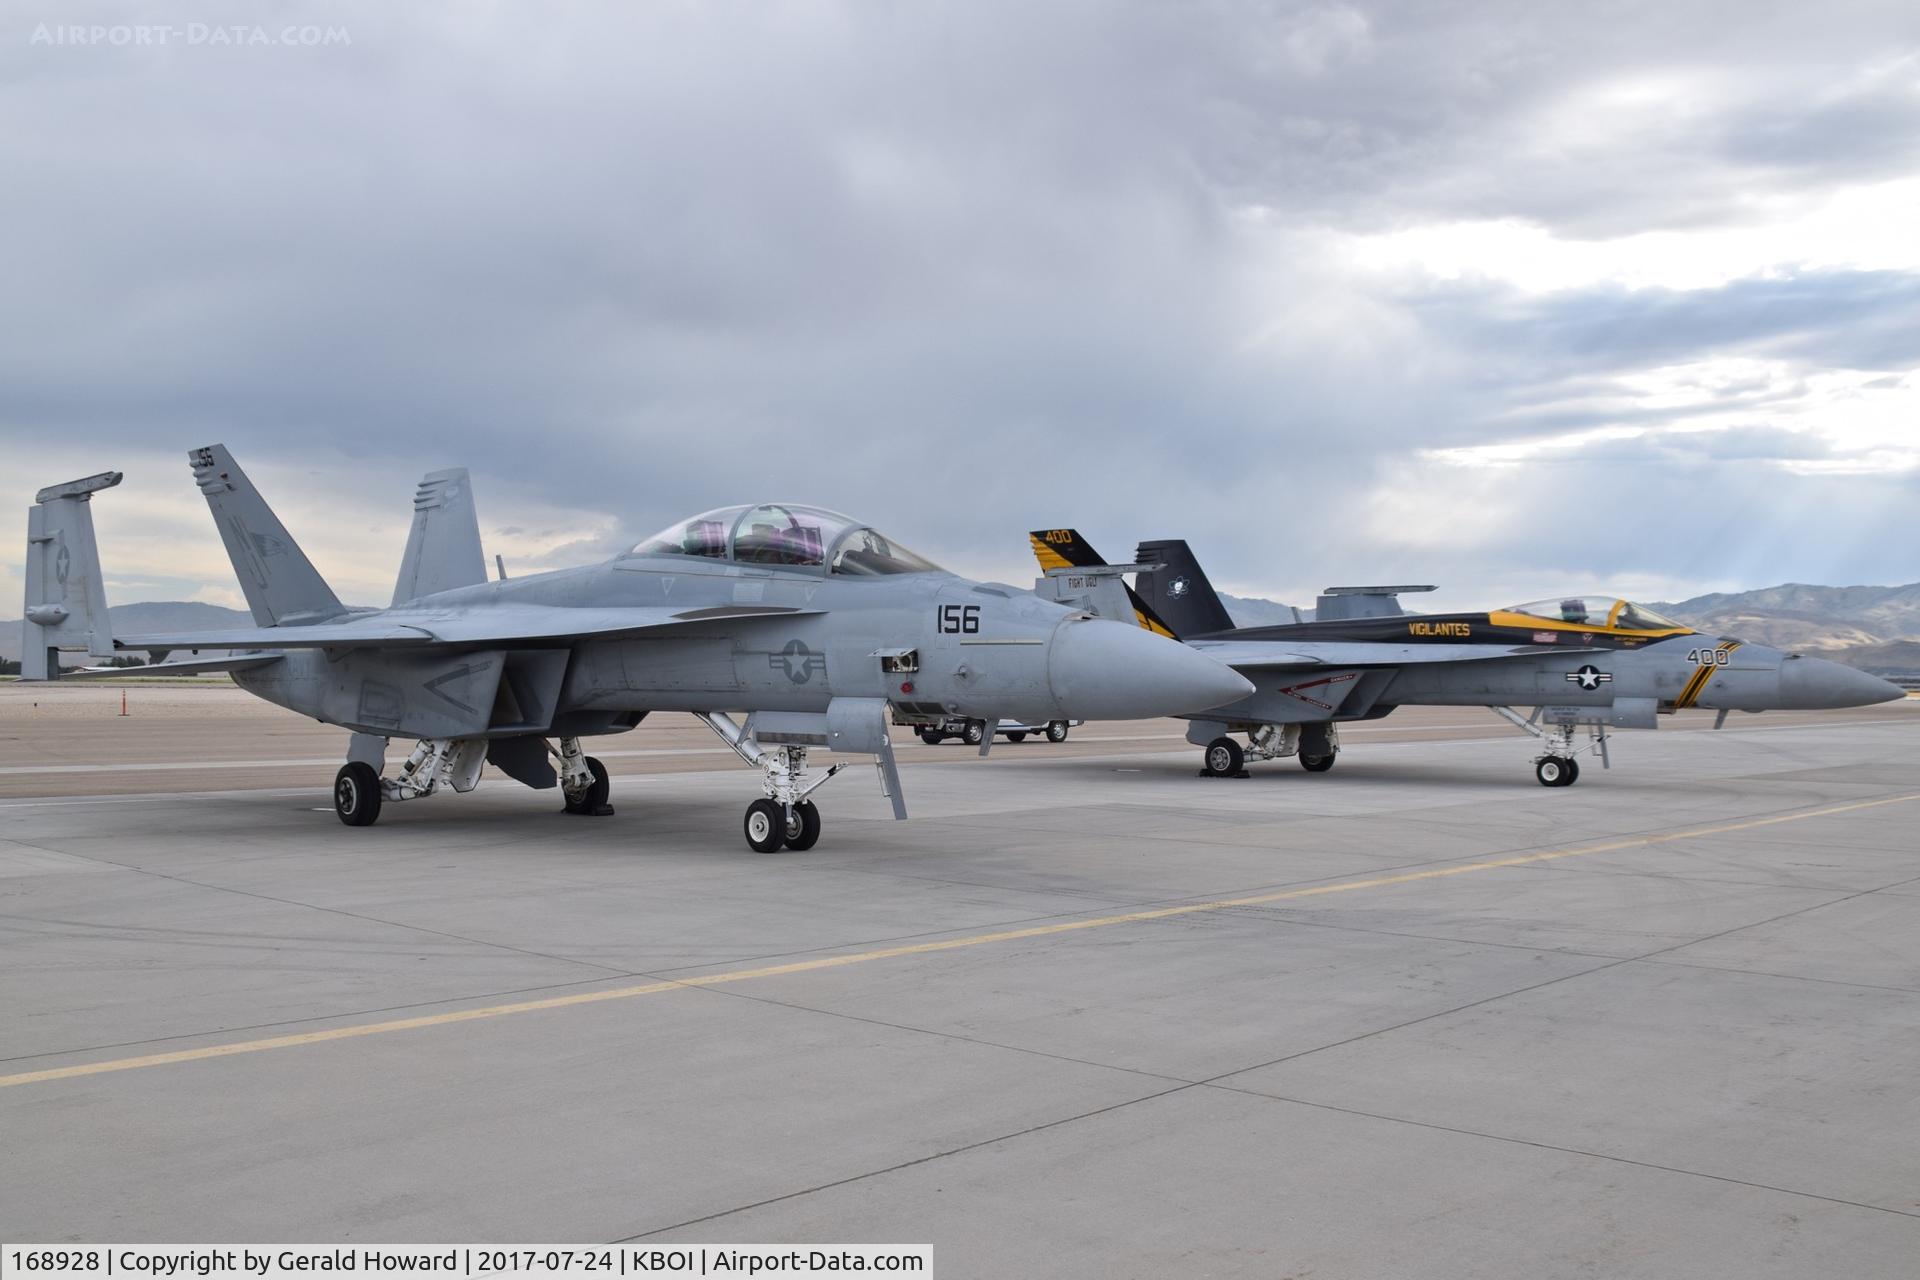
(1698, 684)
(1526, 621)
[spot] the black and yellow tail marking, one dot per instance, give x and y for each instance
(1066, 549)
(1063, 549)
(1698, 683)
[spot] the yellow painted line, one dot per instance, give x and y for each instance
(915, 949)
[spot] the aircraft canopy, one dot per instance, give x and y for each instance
(787, 535)
(1599, 611)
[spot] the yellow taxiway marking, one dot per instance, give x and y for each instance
(914, 949)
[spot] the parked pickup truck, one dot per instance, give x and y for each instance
(972, 731)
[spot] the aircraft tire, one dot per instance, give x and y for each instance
(766, 826)
(976, 732)
(1552, 771)
(1223, 758)
(1318, 764)
(1573, 772)
(803, 830)
(1016, 737)
(1056, 731)
(594, 799)
(356, 794)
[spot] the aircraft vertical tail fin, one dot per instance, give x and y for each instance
(443, 547)
(1180, 592)
(66, 599)
(280, 583)
(1062, 549)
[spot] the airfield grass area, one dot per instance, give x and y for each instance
(1085, 1014)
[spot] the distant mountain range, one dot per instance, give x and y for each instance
(1874, 628)
(1252, 611)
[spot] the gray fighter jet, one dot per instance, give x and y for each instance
(817, 626)
(1582, 662)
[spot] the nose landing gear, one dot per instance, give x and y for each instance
(785, 818)
(1557, 765)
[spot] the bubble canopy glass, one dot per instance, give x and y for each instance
(788, 536)
(1599, 611)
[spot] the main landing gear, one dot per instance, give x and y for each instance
(583, 781)
(1315, 745)
(455, 763)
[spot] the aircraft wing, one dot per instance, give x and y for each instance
(184, 667)
(1355, 653)
(477, 625)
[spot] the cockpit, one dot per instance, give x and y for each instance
(1599, 613)
(787, 536)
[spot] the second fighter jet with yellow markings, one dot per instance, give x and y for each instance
(1581, 662)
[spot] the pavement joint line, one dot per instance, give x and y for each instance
(1783, 977)
(1553, 1146)
(1214, 1082)
(851, 1178)
(1615, 963)
(923, 948)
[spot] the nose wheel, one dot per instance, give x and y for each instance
(771, 826)
(1556, 771)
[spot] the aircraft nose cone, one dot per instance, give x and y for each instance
(1815, 683)
(1102, 670)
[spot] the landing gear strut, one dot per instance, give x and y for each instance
(583, 781)
(784, 817)
(1316, 745)
(454, 763)
(1557, 765)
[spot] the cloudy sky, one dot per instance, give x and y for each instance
(1513, 298)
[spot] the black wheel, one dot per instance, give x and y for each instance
(1057, 731)
(976, 732)
(1223, 758)
(356, 794)
(932, 737)
(1316, 764)
(1016, 737)
(803, 826)
(594, 799)
(1552, 771)
(1573, 772)
(766, 826)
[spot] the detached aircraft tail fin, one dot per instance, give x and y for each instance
(443, 547)
(66, 599)
(280, 583)
(1180, 592)
(1065, 549)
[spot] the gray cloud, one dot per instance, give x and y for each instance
(960, 270)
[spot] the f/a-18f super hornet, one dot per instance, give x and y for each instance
(1582, 662)
(815, 625)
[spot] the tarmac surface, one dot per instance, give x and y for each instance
(1086, 1014)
